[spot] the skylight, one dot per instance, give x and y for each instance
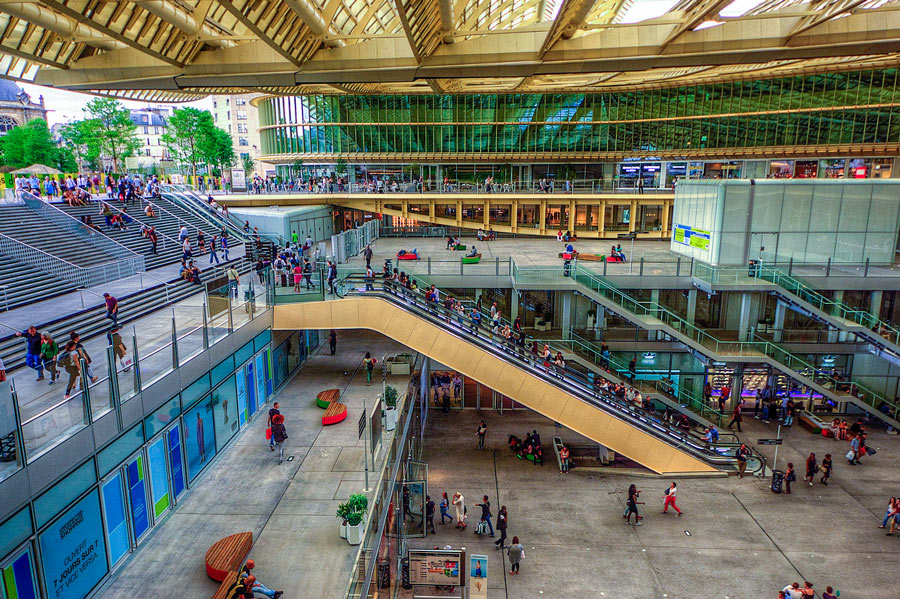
(642, 10)
(739, 8)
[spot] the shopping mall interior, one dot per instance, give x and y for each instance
(561, 298)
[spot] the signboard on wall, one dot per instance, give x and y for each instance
(696, 238)
(436, 567)
(73, 553)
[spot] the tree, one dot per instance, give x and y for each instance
(216, 147)
(248, 165)
(340, 167)
(32, 144)
(187, 136)
(83, 139)
(113, 129)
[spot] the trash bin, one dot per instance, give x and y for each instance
(753, 267)
(404, 573)
(777, 480)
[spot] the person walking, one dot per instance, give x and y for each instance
(33, 350)
(481, 432)
(516, 554)
(825, 467)
(669, 499)
(112, 308)
(486, 515)
(812, 466)
(367, 254)
(83, 353)
(307, 274)
(369, 364)
(332, 276)
(273, 412)
(234, 281)
(736, 417)
(632, 503)
(724, 394)
(279, 435)
(502, 523)
(332, 341)
(49, 352)
(459, 508)
(742, 453)
(225, 247)
(72, 365)
(789, 477)
(429, 515)
(445, 508)
(213, 247)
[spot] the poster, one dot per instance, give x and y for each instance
(267, 359)
(243, 414)
(225, 416)
(73, 553)
(261, 378)
(17, 580)
(697, 238)
(478, 576)
(199, 439)
(238, 179)
(114, 514)
(251, 388)
(175, 461)
(159, 477)
(436, 567)
(445, 388)
(137, 493)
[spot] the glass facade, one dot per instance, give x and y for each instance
(813, 110)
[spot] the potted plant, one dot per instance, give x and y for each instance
(358, 504)
(390, 408)
(591, 318)
(343, 511)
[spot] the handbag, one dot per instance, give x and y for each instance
(870, 451)
(849, 455)
(269, 433)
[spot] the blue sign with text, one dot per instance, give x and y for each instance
(73, 553)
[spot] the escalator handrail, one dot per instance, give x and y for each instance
(411, 301)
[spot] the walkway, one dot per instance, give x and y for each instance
(290, 508)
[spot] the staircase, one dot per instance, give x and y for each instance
(22, 284)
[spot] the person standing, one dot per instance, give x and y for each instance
(459, 508)
(369, 364)
(632, 366)
(516, 554)
(742, 453)
(273, 412)
(445, 508)
(632, 503)
(812, 466)
(724, 394)
(502, 523)
(112, 308)
(789, 477)
(332, 276)
(564, 459)
(736, 417)
(481, 432)
(213, 247)
(307, 274)
(669, 499)
(279, 435)
(49, 352)
(429, 515)
(367, 254)
(72, 365)
(826, 469)
(154, 239)
(33, 350)
(225, 247)
(486, 515)
(332, 341)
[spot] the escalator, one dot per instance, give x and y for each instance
(563, 395)
(883, 337)
(652, 316)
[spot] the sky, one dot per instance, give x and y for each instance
(65, 106)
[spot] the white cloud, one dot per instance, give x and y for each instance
(64, 106)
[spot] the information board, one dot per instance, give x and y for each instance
(73, 554)
(436, 567)
(478, 576)
(697, 238)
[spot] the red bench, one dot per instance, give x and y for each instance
(334, 410)
(226, 555)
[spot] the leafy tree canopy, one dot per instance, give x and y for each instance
(33, 144)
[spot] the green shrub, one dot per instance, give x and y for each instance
(390, 397)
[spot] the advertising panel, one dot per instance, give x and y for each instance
(159, 477)
(261, 378)
(251, 387)
(175, 461)
(697, 238)
(137, 493)
(199, 439)
(73, 553)
(238, 179)
(243, 414)
(436, 567)
(225, 416)
(267, 359)
(478, 576)
(17, 580)
(114, 515)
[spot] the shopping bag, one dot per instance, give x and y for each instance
(269, 433)
(849, 455)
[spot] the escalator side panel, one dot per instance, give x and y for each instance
(492, 371)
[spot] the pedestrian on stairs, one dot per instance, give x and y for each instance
(212, 250)
(225, 246)
(154, 239)
(112, 308)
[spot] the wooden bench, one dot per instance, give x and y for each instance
(814, 424)
(334, 410)
(225, 589)
(226, 555)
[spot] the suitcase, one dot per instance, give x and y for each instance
(482, 527)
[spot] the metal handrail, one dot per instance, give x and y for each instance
(85, 276)
(189, 201)
(137, 220)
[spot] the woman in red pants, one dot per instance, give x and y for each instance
(670, 499)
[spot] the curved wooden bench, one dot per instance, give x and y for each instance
(334, 410)
(227, 589)
(226, 555)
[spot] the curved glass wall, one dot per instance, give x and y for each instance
(814, 110)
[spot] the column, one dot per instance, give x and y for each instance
(654, 335)
(566, 316)
(543, 216)
(571, 221)
(513, 305)
(664, 220)
(780, 309)
(875, 305)
(601, 219)
(632, 220)
(692, 305)
(744, 322)
(599, 322)
(662, 175)
(737, 383)
(514, 216)
(487, 214)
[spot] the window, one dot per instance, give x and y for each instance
(240, 101)
(216, 117)
(7, 123)
(156, 131)
(242, 115)
(227, 101)
(146, 130)
(148, 141)
(229, 115)
(242, 128)
(245, 155)
(242, 141)
(229, 128)
(214, 103)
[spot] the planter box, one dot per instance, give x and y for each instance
(399, 364)
(355, 534)
(344, 530)
(390, 419)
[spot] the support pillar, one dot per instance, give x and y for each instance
(737, 383)
(654, 297)
(780, 309)
(692, 305)
(599, 322)
(875, 305)
(633, 217)
(513, 305)
(744, 322)
(566, 315)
